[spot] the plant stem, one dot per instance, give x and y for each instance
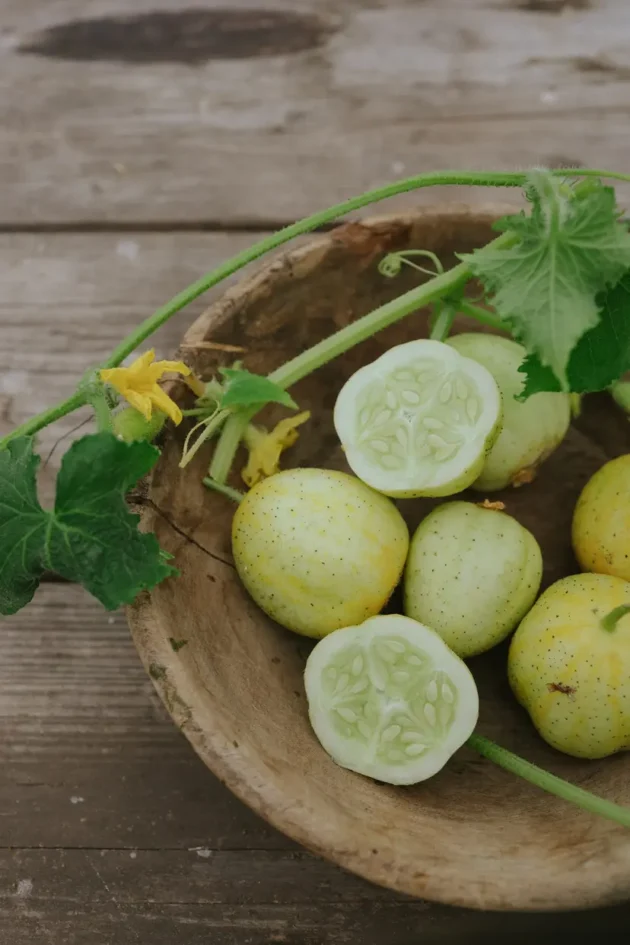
(610, 621)
(481, 314)
(30, 427)
(430, 179)
(162, 315)
(232, 494)
(331, 347)
(98, 403)
(210, 426)
(228, 443)
(197, 412)
(549, 782)
(346, 338)
(443, 323)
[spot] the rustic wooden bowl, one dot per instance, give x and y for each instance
(473, 835)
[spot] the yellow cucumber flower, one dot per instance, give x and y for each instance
(266, 448)
(138, 384)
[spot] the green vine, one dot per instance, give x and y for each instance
(431, 179)
(508, 266)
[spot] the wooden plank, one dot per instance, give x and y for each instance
(88, 756)
(125, 898)
(66, 300)
(254, 112)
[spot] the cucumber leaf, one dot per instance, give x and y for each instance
(600, 357)
(545, 286)
(22, 525)
(90, 536)
(244, 389)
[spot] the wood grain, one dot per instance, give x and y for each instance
(112, 831)
(88, 756)
(258, 111)
(68, 299)
(239, 898)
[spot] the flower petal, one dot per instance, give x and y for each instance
(164, 403)
(145, 360)
(142, 403)
(118, 378)
(286, 432)
(196, 386)
(264, 457)
(178, 367)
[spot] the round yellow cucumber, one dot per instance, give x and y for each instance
(569, 665)
(318, 550)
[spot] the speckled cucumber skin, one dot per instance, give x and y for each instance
(531, 430)
(571, 674)
(601, 522)
(472, 574)
(318, 550)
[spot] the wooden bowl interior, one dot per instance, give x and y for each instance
(473, 835)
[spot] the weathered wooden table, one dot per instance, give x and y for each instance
(141, 144)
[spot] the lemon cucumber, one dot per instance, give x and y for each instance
(389, 700)
(569, 665)
(601, 522)
(472, 574)
(419, 420)
(530, 431)
(318, 550)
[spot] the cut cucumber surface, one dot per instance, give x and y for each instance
(419, 420)
(389, 700)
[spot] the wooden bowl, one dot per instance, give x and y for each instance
(473, 835)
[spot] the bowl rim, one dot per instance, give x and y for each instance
(219, 755)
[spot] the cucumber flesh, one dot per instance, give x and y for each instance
(419, 420)
(389, 700)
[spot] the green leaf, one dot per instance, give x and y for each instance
(90, 536)
(537, 377)
(600, 357)
(545, 287)
(244, 389)
(22, 525)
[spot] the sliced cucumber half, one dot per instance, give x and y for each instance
(389, 700)
(419, 420)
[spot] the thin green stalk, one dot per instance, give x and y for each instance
(341, 341)
(98, 402)
(228, 443)
(610, 621)
(481, 314)
(346, 338)
(312, 222)
(211, 425)
(331, 347)
(443, 323)
(228, 268)
(549, 782)
(232, 494)
(30, 427)
(391, 264)
(197, 412)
